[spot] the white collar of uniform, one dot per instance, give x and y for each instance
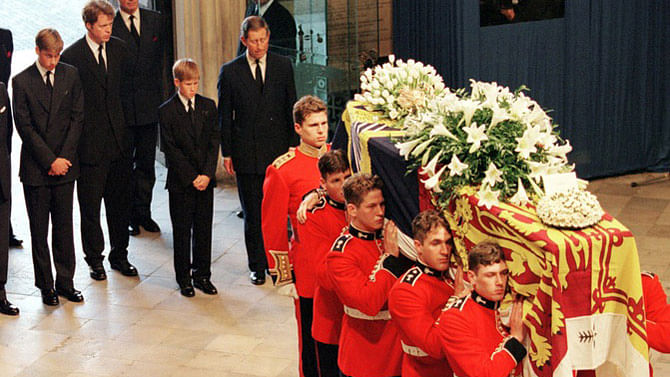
(126, 18)
(264, 8)
(184, 101)
(43, 72)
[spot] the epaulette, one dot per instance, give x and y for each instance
(321, 204)
(649, 273)
(286, 157)
(341, 242)
(455, 302)
(412, 275)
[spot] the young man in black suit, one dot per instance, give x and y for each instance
(104, 148)
(6, 307)
(49, 115)
(144, 34)
(190, 140)
(256, 97)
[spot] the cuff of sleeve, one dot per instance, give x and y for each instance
(282, 272)
(396, 265)
(515, 348)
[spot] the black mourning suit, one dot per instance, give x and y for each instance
(50, 124)
(141, 105)
(191, 147)
(5, 184)
(104, 149)
(6, 50)
(256, 127)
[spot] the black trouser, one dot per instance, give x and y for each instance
(327, 356)
(307, 344)
(250, 190)
(108, 181)
(4, 245)
(191, 215)
(143, 139)
(54, 200)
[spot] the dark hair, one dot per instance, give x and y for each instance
(307, 106)
(484, 254)
(426, 221)
(253, 23)
(93, 8)
(49, 40)
(333, 161)
(358, 185)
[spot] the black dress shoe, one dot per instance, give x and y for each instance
(257, 278)
(134, 229)
(124, 267)
(98, 272)
(205, 285)
(49, 297)
(71, 294)
(150, 225)
(15, 242)
(187, 290)
(8, 308)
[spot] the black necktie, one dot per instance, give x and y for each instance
(101, 60)
(49, 85)
(190, 110)
(133, 30)
(259, 75)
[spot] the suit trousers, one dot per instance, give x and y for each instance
(306, 344)
(250, 190)
(143, 143)
(54, 200)
(191, 213)
(4, 245)
(327, 357)
(108, 181)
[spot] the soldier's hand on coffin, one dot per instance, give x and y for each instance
(460, 288)
(308, 202)
(516, 327)
(391, 239)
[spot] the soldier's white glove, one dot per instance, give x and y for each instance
(288, 290)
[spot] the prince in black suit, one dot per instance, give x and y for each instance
(49, 115)
(6, 307)
(190, 140)
(144, 34)
(104, 149)
(256, 96)
(280, 21)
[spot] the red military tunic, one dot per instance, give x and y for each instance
(325, 222)
(362, 276)
(287, 180)
(415, 301)
(474, 340)
(658, 313)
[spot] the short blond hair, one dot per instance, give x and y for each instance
(185, 69)
(49, 40)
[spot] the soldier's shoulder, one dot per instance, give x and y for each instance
(341, 242)
(283, 159)
(412, 275)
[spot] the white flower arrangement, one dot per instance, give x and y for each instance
(399, 88)
(499, 140)
(575, 208)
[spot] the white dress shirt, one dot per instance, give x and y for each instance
(252, 64)
(94, 48)
(126, 19)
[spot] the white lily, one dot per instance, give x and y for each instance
(498, 116)
(433, 183)
(492, 175)
(475, 135)
(421, 147)
(440, 130)
(468, 107)
(406, 147)
(391, 58)
(456, 167)
(537, 169)
(429, 169)
(560, 150)
(521, 197)
(526, 143)
(487, 197)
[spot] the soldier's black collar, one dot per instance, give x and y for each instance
(484, 301)
(335, 203)
(429, 270)
(377, 235)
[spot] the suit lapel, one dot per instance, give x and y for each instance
(124, 33)
(198, 120)
(39, 87)
(59, 88)
(184, 118)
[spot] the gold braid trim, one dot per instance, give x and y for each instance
(283, 270)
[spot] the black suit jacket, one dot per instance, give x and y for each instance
(6, 51)
(256, 127)
(102, 99)
(5, 142)
(282, 28)
(48, 130)
(146, 66)
(190, 149)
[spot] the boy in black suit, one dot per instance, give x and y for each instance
(49, 116)
(190, 140)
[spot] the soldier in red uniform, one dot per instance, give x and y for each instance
(287, 180)
(324, 223)
(658, 313)
(362, 267)
(417, 299)
(471, 334)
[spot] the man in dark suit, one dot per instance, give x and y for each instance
(49, 115)
(104, 148)
(280, 21)
(256, 96)
(6, 307)
(143, 32)
(6, 51)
